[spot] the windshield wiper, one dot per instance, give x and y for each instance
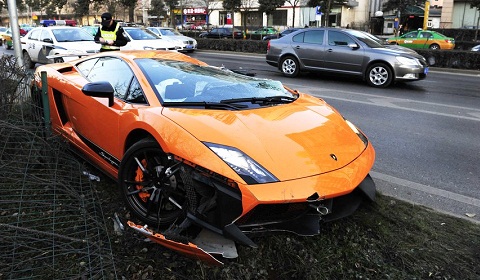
(204, 104)
(263, 100)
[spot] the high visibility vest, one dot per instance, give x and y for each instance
(110, 35)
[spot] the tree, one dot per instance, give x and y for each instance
(401, 5)
(157, 8)
(232, 6)
(294, 4)
(82, 8)
(269, 6)
(246, 7)
(172, 4)
(325, 8)
(476, 4)
(130, 5)
(210, 5)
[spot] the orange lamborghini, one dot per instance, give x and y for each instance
(206, 156)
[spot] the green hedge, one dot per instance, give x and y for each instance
(460, 59)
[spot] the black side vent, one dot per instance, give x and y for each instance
(57, 96)
(65, 69)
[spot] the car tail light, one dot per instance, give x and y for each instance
(268, 45)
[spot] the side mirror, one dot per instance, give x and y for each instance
(353, 46)
(48, 40)
(99, 89)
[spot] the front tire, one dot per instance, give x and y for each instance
(289, 66)
(28, 61)
(148, 191)
(379, 75)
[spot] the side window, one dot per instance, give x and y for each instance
(135, 93)
(336, 38)
(85, 66)
(45, 35)
(298, 38)
(114, 71)
(411, 35)
(314, 37)
(35, 34)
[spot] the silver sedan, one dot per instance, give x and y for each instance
(344, 51)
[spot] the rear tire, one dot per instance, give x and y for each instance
(379, 75)
(289, 66)
(434, 47)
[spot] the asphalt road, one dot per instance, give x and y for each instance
(426, 133)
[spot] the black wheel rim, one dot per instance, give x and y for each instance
(153, 196)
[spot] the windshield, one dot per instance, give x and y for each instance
(71, 35)
(366, 38)
(169, 32)
(178, 81)
(141, 34)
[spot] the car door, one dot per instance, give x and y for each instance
(409, 40)
(310, 48)
(340, 56)
(32, 44)
(92, 118)
(44, 45)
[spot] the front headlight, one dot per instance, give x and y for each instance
(243, 165)
(407, 61)
(358, 132)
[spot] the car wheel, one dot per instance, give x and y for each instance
(434, 47)
(379, 75)
(289, 66)
(150, 192)
(28, 61)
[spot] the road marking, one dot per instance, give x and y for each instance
(388, 102)
(426, 189)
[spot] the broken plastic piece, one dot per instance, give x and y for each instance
(190, 249)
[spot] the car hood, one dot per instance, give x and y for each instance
(388, 50)
(292, 141)
(142, 44)
(81, 46)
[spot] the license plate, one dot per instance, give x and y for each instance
(189, 46)
(425, 71)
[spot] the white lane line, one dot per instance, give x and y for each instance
(426, 189)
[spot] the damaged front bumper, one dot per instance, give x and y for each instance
(300, 218)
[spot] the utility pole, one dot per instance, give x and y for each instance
(12, 13)
(426, 14)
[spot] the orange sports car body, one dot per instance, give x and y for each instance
(205, 156)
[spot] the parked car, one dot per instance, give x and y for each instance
(424, 39)
(56, 44)
(187, 26)
(344, 51)
(185, 43)
(191, 148)
(476, 48)
(279, 35)
(389, 46)
(266, 31)
(7, 39)
(224, 33)
(144, 39)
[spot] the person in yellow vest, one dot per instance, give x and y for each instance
(111, 35)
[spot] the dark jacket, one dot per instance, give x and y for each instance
(121, 39)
